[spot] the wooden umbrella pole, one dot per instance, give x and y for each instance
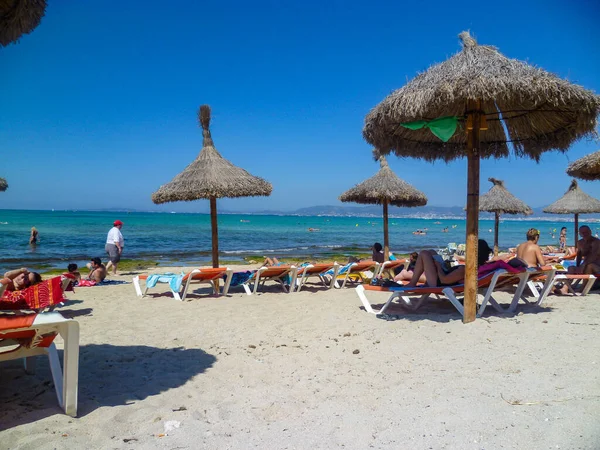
(386, 238)
(576, 230)
(496, 227)
(215, 231)
(470, 302)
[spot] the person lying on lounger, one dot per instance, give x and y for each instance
(431, 264)
(19, 279)
(271, 262)
(406, 273)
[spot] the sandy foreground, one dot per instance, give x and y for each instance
(312, 370)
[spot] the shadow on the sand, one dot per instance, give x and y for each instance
(445, 312)
(109, 375)
(200, 293)
(72, 313)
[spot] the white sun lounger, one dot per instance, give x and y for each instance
(487, 284)
(29, 335)
(273, 273)
(320, 271)
(203, 275)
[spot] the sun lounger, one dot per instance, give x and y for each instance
(487, 283)
(573, 281)
(285, 275)
(354, 272)
(203, 275)
(29, 335)
(320, 271)
(389, 266)
(546, 280)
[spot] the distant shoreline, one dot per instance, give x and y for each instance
(568, 218)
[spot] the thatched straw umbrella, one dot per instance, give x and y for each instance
(18, 17)
(586, 168)
(499, 201)
(439, 116)
(3, 185)
(211, 176)
(575, 201)
(385, 188)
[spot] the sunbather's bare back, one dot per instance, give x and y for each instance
(530, 253)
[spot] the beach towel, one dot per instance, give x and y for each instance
(47, 293)
(239, 278)
(173, 279)
(111, 282)
(90, 283)
(486, 268)
(568, 263)
(342, 270)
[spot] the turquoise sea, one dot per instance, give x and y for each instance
(76, 236)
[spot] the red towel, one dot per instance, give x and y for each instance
(44, 294)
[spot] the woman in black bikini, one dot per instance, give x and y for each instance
(436, 274)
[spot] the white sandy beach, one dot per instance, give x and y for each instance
(282, 371)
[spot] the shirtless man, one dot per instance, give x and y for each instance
(18, 279)
(97, 270)
(529, 251)
(588, 250)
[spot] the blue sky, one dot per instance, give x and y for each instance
(100, 101)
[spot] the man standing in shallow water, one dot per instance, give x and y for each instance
(114, 246)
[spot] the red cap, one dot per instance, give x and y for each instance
(117, 223)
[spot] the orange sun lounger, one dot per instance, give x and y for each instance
(29, 335)
(274, 273)
(354, 272)
(487, 282)
(203, 275)
(320, 271)
(547, 278)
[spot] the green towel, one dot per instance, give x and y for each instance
(444, 127)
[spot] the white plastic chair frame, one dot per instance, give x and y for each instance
(66, 379)
(385, 266)
(541, 290)
(587, 280)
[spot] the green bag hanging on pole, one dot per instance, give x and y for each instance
(444, 127)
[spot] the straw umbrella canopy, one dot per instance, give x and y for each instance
(210, 176)
(3, 185)
(586, 168)
(18, 17)
(499, 201)
(480, 93)
(385, 188)
(575, 201)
